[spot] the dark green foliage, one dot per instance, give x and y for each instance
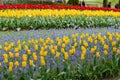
(57, 22)
(105, 2)
(73, 2)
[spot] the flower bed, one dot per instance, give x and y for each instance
(55, 13)
(64, 56)
(59, 54)
(47, 18)
(39, 6)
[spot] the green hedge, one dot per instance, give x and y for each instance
(57, 22)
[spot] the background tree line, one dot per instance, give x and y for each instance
(72, 2)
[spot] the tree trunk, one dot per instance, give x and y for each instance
(1, 2)
(105, 3)
(64, 2)
(119, 4)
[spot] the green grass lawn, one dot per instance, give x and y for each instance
(99, 2)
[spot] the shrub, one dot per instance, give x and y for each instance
(73, 2)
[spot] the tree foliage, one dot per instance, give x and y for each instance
(105, 3)
(73, 2)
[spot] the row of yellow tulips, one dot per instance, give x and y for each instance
(55, 13)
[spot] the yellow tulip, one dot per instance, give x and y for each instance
(114, 43)
(103, 42)
(16, 63)
(35, 57)
(62, 50)
(92, 50)
(11, 55)
(5, 60)
(90, 39)
(41, 52)
(83, 48)
(18, 42)
(117, 39)
(80, 42)
(24, 63)
(87, 34)
(97, 54)
(33, 41)
(6, 43)
(52, 41)
(63, 45)
(19, 47)
(12, 44)
(75, 44)
(73, 36)
(36, 41)
(29, 41)
(85, 44)
(95, 47)
(5, 55)
(16, 50)
(5, 49)
(55, 47)
(36, 47)
(47, 41)
(26, 47)
(84, 52)
(76, 34)
(42, 49)
(114, 49)
(17, 55)
(66, 56)
(42, 61)
(74, 50)
(105, 52)
(45, 47)
(118, 51)
(99, 36)
(59, 43)
(52, 51)
(31, 62)
(10, 69)
(106, 46)
(105, 37)
(24, 57)
(93, 35)
(23, 42)
(28, 51)
(45, 53)
(110, 38)
(41, 40)
(82, 57)
(57, 54)
(108, 33)
(51, 46)
(10, 64)
(74, 40)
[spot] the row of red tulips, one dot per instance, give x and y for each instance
(39, 6)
